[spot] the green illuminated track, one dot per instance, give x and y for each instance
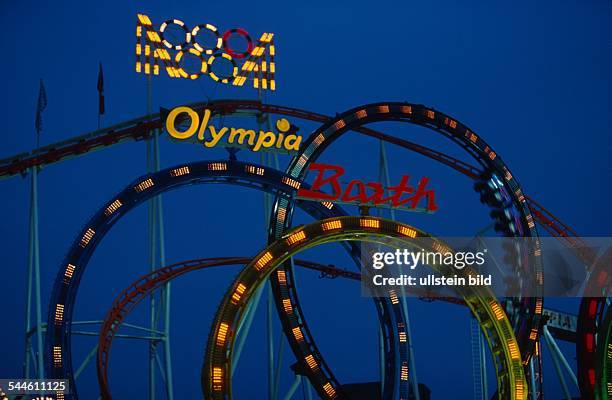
(216, 376)
(603, 390)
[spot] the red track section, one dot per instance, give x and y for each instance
(146, 284)
(591, 316)
(139, 129)
(558, 229)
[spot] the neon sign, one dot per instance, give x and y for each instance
(210, 136)
(154, 46)
(373, 193)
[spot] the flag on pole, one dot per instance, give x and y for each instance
(101, 108)
(42, 104)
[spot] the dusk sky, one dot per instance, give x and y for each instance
(531, 78)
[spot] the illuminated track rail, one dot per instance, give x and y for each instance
(216, 376)
(591, 311)
(141, 128)
(590, 322)
(528, 329)
(144, 126)
(141, 288)
(604, 354)
(130, 297)
(58, 355)
(560, 230)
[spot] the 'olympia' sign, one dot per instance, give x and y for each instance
(212, 136)
(172, 43)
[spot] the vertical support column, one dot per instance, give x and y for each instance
(477, 355)
(270, 332)
(28, 313)
(152, 251)
(279, 364)
(166, 291)
(157, 259)
(384, 175)
(266, 160)
(534, 394)
(383, 169)
(152, 303)
(34, 269)
(414, 379)
(270, 307)
(483, 366)
(381, 359)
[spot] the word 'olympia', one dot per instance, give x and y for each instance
(211, 136)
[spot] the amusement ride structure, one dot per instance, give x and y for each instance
(515, 329)
(513, 335)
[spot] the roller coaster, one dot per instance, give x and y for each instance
(514, 337)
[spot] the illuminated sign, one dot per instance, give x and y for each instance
(154, 45)
(562, 321)
(371, 193)
(212, 136)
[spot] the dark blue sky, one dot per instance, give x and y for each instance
(532, 78)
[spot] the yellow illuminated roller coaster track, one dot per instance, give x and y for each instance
(216, 376)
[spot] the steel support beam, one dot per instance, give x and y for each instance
(534, 394)
(560, 356)
(558, 369)
(34, 273)
(245, 327)
(414, 381)
(293, 388)
(86, 362)
(270, 333)
(279, 364)
(157, 259)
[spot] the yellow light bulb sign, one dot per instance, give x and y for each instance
(156, 47)
(212, 136)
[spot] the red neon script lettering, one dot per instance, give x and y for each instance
(370, 193)
(314, 192)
